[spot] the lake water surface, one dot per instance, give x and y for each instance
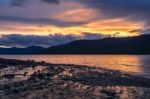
(139, 64)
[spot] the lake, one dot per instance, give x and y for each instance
(138, 64)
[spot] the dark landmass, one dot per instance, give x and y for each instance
(124, 45)
(27, 50)
(40, 80)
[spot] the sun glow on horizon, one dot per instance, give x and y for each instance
(119, 27)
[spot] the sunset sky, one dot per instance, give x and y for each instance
(35, 20)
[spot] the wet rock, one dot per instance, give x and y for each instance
(8, 76)
(109, 93)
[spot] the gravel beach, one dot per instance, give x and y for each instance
(41, 80)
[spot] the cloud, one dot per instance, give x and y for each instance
(133, 10)
(41, 21)
(29, 40)
(13, 40)
(145, 30)
(91, 36)
(21, 3)
(120, 8)
(18, 2)
(51, 1)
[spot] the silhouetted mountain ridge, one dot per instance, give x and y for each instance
(124, 45)
(27, 50)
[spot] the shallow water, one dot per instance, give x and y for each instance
(139, 64)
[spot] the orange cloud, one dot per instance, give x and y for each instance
(22, 29)
(112, 26)
(77, 15)
(106, 27)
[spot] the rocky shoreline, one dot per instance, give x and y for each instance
(41, 80)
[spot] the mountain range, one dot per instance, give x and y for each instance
(112, 45)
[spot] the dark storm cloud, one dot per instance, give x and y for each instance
(13, 40)
(134, 9)
(29, 40)
(22, 2)
(51, 1)
(18, 2)
(42, 21)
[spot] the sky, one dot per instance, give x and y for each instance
(29, 22)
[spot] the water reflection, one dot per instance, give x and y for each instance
(129, 63)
